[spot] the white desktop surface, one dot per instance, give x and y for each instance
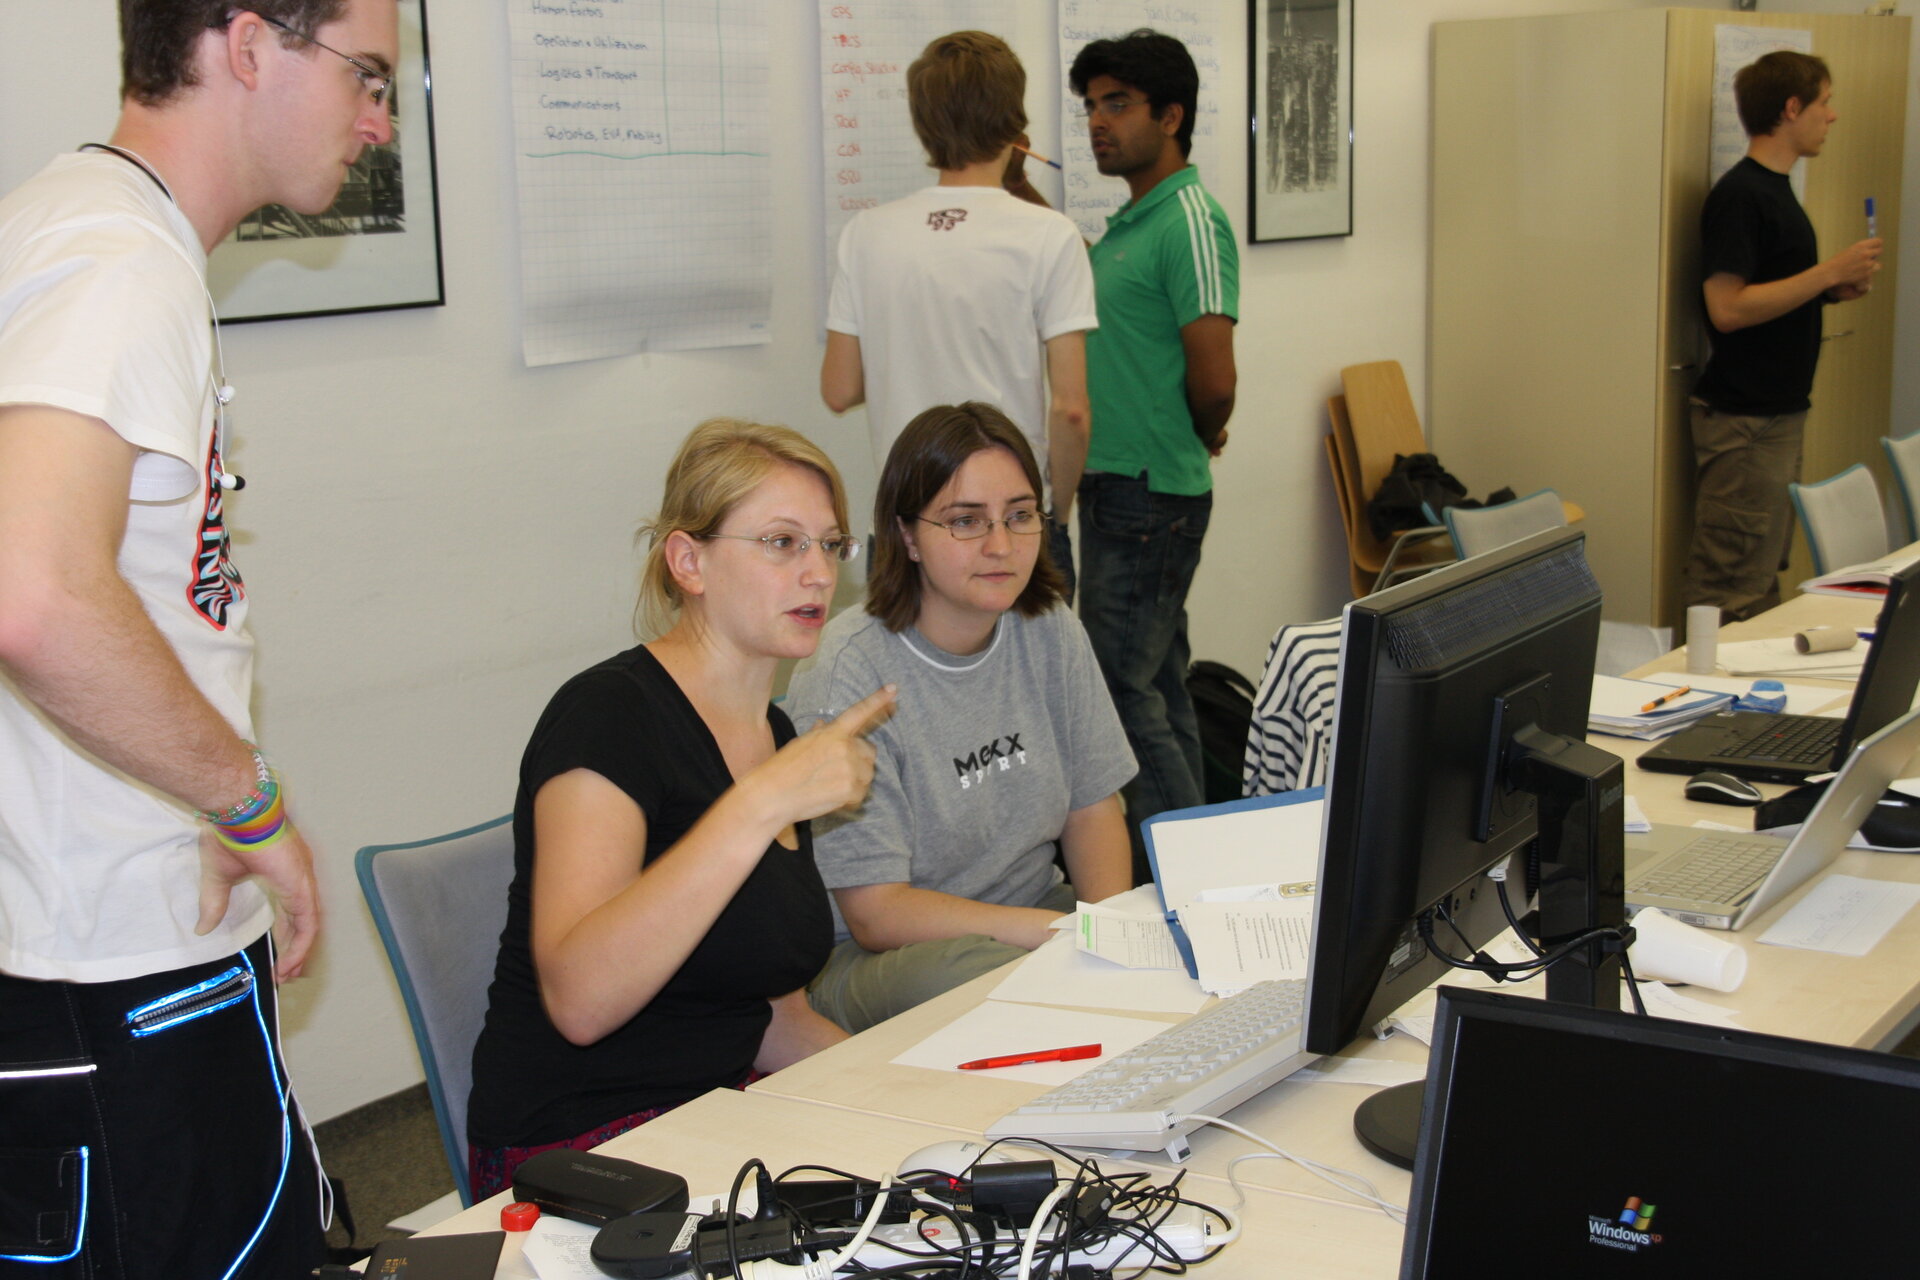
(852, 1107)
(706, 1141)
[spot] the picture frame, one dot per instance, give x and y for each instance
(377, 248)
(1300, 98)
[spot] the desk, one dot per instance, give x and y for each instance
(706, 1140)
(850, 1106)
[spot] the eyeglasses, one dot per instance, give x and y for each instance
(785, 548)
(967, 528)
(1113, 106)
(376, 82)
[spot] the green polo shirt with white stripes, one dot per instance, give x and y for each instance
(1167, 259)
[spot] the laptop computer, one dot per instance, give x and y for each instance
(1562, 1141)
(1790, 749)
(1722, 879)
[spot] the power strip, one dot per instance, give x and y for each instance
(1187, 1231)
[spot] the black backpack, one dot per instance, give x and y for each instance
(1223, 704)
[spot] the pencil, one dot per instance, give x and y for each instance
(1665, 698)
(1036, 155)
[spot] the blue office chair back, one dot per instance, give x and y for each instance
(440, 905)
(1477, 530)
(1843, 518)
(1904, 453)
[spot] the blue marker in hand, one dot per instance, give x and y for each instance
(1872, 229)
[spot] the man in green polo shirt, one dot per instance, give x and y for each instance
(1160, 374)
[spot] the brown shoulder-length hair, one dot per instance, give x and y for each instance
(919, 465)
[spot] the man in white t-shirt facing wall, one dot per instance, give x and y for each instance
(965, 290)
(149, 1124)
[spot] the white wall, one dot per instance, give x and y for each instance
(436, 536)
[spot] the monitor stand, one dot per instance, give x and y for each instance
(1582, 859)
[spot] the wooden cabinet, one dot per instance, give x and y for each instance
(1569, 166)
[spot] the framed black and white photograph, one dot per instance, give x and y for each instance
(1300, 157)
(377, 248)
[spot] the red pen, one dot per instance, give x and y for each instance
(1069, 1054)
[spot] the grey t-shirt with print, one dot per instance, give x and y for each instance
(977, 771)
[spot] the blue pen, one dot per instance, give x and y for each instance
(1864, 633)
(1872, 226)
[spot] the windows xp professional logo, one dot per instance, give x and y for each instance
(1627, 1231)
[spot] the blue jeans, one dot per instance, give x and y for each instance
(1138, 554)
(1060, 550)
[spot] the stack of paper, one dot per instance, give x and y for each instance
(1869, 578)
(1640, 709)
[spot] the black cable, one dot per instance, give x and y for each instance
(1633, 983)
(733, 1209)
(1506, 906)
(1507, 972)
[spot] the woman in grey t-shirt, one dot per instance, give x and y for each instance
(1006, 742)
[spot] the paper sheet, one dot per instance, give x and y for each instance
(641, 157)
(1636, 816)
(1128, 941)
(1802, 699)
(1663, 1001)
(870, 153)
(1236, 944)
(558, 1249)
(1843, 915)
(1376, 1072)
(1061, 974)
(1778, 657)
(995, 1027)
(1734, 46)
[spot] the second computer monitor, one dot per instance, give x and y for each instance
(1459, 730)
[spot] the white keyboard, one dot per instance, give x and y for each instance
(1212, 1062)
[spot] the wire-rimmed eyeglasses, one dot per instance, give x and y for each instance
(784, 548)
(967, 528)
(376, 82)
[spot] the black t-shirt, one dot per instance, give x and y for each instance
(1752, 227)
(629, 722)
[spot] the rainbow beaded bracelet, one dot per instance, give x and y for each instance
(265, 790)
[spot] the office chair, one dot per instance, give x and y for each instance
(1843, 519)
(1904, 453)
(1476, 530)
(440, 905)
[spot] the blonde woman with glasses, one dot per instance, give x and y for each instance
(665, 912)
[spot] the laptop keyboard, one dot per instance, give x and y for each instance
(1714, 868)
(1810, 740)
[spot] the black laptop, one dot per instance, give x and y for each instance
(1790, 749)
(1567, 1142)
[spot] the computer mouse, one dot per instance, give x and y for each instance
(1722, 788)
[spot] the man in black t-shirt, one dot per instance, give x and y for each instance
(1765, 285)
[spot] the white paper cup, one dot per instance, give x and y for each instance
(1703, 638)
(1674, 951)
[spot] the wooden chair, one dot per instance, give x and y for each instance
(1360, 451)
(1374, 421)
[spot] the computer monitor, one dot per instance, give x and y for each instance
(1562, 1141)
(1459, 755)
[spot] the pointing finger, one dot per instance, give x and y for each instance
(870, 712)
